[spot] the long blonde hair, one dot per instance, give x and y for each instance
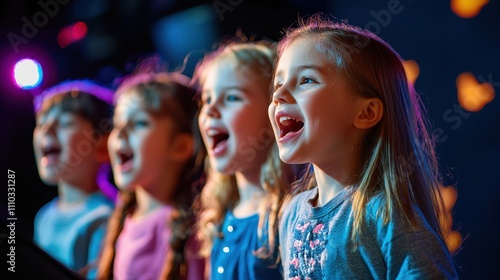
(220, 193)
(400, 159)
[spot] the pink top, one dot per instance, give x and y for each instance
(143, 245)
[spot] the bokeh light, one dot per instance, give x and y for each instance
(28, 73)
(467, 8)
(452, 238)
(78, 31)
(71, 34)
(64, 37)
(412, 70)
(472, 95)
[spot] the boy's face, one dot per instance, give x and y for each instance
(64, 147)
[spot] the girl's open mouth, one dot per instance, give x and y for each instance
(125, 162)
(219, 140)
(288, 126)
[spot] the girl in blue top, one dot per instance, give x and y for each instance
(246, 178)
(341, 101)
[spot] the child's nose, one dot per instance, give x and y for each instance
(48, 128)
(117, 135)
(121, 143)
(212, 111)
(282, 95)
(121, 133)
(117, 140)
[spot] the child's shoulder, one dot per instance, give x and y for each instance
(376, 202)
(47, 208)
(378, 206)
(99, 204)
(375, 209)
(99, 199)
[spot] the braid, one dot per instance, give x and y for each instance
(105, 266)
(175, 262)
(182, 220)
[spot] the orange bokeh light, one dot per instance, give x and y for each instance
(453, 239)
(467, 8)
(473, 96)
(412, 70)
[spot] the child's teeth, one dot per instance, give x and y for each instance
(282, 119)
(212, 132)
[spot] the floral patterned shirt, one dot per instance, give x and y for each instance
(316, 243)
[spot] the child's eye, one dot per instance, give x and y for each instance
(233, 98)
(141, 123)
(206, 100)
(276, 87)
(306, 80)
(65, 123)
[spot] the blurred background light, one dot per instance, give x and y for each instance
(188, 34)
(64, 37)
(412, 70)
(71, 34)
(78, 31)
(467, 8)
(28, 73)
(472, 95)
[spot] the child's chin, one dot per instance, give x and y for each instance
(219, 166)
(286, 157)
(49, 180)
(124, 185)
(227, 169)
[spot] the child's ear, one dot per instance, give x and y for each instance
(101, 150)
(183, 147)
(370, 113)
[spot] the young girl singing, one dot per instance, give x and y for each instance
(246, 179)
(341, 101)
(153, 147)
